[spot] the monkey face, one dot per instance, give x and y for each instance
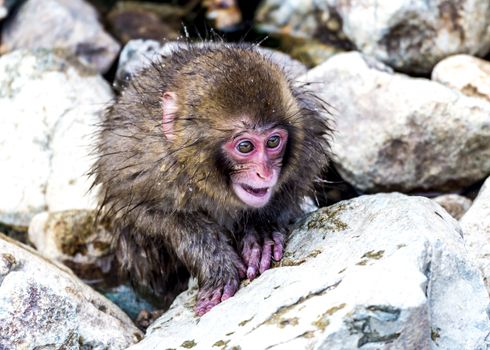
(256, 158)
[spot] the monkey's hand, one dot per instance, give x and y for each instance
(222, 282)
(258, 252)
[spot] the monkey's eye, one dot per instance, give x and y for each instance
(273, 142)
(245, 147)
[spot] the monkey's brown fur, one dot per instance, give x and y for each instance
(170, 200)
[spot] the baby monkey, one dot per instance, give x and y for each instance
(203, 162)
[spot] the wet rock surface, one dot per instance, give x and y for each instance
(50, 104)
(394, 132)
(71, 25)
(385, 271)
(43, 305)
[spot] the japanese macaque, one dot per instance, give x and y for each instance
(203, 162)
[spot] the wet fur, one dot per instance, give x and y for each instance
(171, 202)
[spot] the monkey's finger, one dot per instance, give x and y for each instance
(253, 263)
(278, 239)
(265, 260)
(248, 242)
(229, 290)
(242, 270)
(207, 300)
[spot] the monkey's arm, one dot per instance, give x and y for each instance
(204, 249)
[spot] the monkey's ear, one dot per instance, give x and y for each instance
(169, 108)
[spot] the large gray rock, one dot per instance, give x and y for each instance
(466, 73)
(44, 306)
(49, 106)
(138, 54)
(296, 18)
(476, 227)
(410, 35)
(400, 133)
(378, 272)
(67, 24)
(413, 35)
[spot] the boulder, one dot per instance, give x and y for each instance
(43, 305)
(414, 35)
(410, 35)
(385, 271)
(50, 105)
(72, 25)
(394, 132)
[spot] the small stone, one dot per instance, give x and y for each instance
(468, 74)
(71, 237)
(454, 204)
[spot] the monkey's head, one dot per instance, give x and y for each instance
(233, 117)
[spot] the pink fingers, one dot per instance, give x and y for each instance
(265, 260)
(278, 249)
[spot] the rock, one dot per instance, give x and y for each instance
(309, 52)
(454, 204)
(71, 25)
(414, 35)
(294, 20)
(50, 104)
(136, 20)
(44, 306)
(294, 17)
(306, 30)
(138, 54)
(476, 227)
(410, 36)
(468, 74)
(71, 237)
(385, 271)
(400, 133)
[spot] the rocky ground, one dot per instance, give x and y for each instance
(403, 265)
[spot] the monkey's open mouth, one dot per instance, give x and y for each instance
(259, 192)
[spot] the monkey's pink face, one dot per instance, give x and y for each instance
(258, 160)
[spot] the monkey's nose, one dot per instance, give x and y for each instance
(265, 174)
